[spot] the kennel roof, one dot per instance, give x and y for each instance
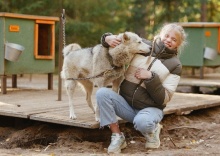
(34, 17)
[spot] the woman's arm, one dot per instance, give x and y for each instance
(110, 40)
(162, 92)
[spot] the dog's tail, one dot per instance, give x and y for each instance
(70, 47)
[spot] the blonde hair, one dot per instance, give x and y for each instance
(179, 29)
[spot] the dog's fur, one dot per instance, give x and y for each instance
(89, 62)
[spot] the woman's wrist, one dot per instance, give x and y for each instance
(152, 76)
(103, 42)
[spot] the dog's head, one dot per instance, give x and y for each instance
(131, 44)
(134, 43)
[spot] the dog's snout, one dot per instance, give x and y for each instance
(150, 48)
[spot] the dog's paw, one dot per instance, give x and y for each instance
(73, 117)
(97, 115)
(97, 119)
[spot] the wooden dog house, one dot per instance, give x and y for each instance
(203, 48)
(37, 35)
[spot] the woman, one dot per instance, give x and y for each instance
(142, 104)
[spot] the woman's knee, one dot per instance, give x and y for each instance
(101, 92)
(143, 125)
(103, 96)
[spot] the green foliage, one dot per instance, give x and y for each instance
(87, 20)
(213, 11)
(34, 7)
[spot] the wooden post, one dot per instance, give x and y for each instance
(14, 81)
(4, 84)
(50, 81)
(60, 59)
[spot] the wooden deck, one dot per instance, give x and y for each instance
(33, 101)
(209, 80)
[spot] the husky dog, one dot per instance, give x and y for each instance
(98, 66)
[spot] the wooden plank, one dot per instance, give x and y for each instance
(209, 80)
(34, 17)
(182, 102)
(85, 120)
(200, 24)
(66, 121)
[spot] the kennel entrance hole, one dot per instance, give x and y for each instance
(44, 40)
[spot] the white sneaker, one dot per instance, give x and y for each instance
(153, 139)
(117, 143)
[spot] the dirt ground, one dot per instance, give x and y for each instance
(194, 134)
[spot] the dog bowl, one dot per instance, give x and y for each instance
(13, 51)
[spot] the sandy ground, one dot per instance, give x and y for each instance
(194, 134)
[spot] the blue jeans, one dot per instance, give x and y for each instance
(112, 105)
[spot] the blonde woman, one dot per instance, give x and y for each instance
(142, 103)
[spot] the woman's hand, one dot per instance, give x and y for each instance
(112, 40)
(143, 74)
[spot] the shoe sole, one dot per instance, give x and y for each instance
(152, 146)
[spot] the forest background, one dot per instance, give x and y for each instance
(87, 20)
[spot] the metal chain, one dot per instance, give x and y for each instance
(63, 22)
(92, 77)
(86, 78)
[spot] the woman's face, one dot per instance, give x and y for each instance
(171, 40)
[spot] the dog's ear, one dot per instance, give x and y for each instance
(126, 37)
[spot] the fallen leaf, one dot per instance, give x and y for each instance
(132, 141)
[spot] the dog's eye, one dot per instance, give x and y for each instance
(139, 42)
